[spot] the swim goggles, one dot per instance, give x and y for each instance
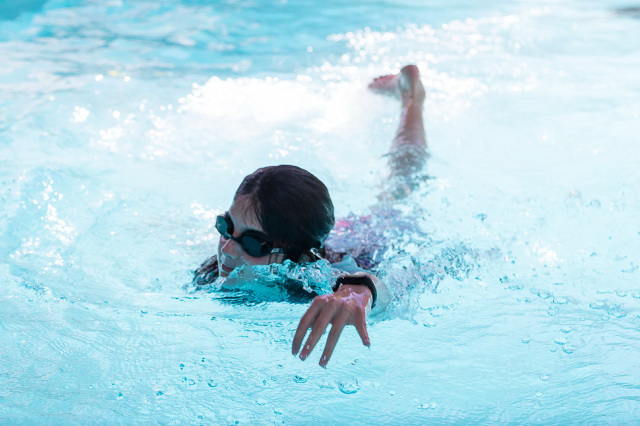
(254, 243)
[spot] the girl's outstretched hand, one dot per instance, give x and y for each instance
(347, 306)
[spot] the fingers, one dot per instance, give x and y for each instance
(334, 335)
(305, 323)
(361, 326)
(322, 312)
(317, 330)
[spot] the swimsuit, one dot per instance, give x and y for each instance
(367, 238)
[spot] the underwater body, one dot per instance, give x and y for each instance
(126, 126)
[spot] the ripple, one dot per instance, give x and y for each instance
(349, 387)
(300, 379)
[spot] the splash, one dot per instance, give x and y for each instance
(288, 281)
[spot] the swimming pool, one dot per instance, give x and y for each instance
(125, 127)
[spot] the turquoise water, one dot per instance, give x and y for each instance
(125, 128)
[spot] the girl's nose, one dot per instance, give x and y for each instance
(230, 248)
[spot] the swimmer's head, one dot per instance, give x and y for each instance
(287, 204)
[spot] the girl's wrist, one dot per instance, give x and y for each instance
(362, 280)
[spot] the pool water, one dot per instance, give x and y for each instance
(126, 126)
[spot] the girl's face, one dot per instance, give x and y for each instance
(230, 253)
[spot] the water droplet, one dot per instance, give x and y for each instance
(261, 401)
(566, 330)
(630, 270)
(325, 384)
(543, 294)
(300, 379)
(212, 384)
(568, 349)
(538, 394)
(544, 377)
(526, 340)
(560, 340)
(392, 393)
(348, 388)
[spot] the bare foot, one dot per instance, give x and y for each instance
(405, 85)
(385, 84)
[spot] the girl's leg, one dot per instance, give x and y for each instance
(408, 153)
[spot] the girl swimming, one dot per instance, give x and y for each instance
(285, 212)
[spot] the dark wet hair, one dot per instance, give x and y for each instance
(292, 206)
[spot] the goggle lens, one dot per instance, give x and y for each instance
(253, 247)
(254, 243)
